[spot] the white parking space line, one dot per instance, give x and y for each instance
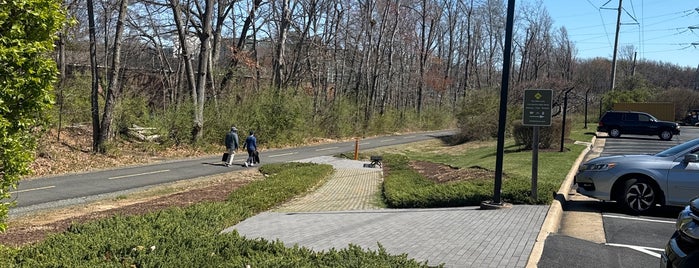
(646, 250)
(409, 137)
(325, 149)
(139, 174)
(33, 189)
(278, 155)
(636, 219)
(387, 140)
(365, 143)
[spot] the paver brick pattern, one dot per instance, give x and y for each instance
(347, 189)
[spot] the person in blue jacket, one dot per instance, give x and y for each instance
(251, 146)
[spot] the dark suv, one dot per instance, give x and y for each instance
(616, 123)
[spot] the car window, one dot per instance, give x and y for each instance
(611, 117)
(644, 118)
(630, 117)
(679, 148)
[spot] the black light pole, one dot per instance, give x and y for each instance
(586, 100)
(503, 101)
(565, 109)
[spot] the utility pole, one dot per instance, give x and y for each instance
(633, 67)
(616, 44)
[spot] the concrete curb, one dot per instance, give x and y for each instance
(555, 212)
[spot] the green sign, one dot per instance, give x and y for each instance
(537, 107)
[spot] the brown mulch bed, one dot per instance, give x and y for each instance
(442, 173)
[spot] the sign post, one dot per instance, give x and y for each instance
(537, 112)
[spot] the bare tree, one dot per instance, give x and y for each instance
(113, 90)
(94, 96)
(184, 46)
(240, 46)
(279, 61)
(197, 82)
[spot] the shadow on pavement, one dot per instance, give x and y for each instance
(593, 205)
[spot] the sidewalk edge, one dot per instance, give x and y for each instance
(555, 212)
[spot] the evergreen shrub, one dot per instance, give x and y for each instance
(548, 135)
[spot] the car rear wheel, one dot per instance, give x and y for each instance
(665, 135)
(614, 133)
(639, 195)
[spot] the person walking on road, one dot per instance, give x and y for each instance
(251, 146)
(231, 145)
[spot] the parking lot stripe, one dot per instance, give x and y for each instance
(636, 219)
(646, 250)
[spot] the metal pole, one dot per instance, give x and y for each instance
(616, 44)
(535, 163)
(565, 109)
(503, 101)
(586, 92)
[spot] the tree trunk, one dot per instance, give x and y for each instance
(94, 96)
(202, 69)
(113, 90)
(62, 79)
(279, 63)
(184, 50)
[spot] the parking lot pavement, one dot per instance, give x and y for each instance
(455, 237)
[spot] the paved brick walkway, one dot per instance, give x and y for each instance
(342, 212)
(347, 189)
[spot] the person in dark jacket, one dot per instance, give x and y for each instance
(251, 146)
(231, 145)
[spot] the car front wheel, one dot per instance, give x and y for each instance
(614, 133)
(665, 135)
(639, 195)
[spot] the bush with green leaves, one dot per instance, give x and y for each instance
(478, 116)
(337, 120)
(684, 99)
(131, 110)
(73, 104)
(548, 135)
(617, 96)
(437, 118)
(174, 124)
(27, 74)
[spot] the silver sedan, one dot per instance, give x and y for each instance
(641, 182)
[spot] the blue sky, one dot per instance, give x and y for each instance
(659, 30)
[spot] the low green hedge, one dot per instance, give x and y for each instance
(190, 237)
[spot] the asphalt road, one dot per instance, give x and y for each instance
(629, 241)
(71, 189)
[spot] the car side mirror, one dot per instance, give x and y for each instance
(689, 158)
